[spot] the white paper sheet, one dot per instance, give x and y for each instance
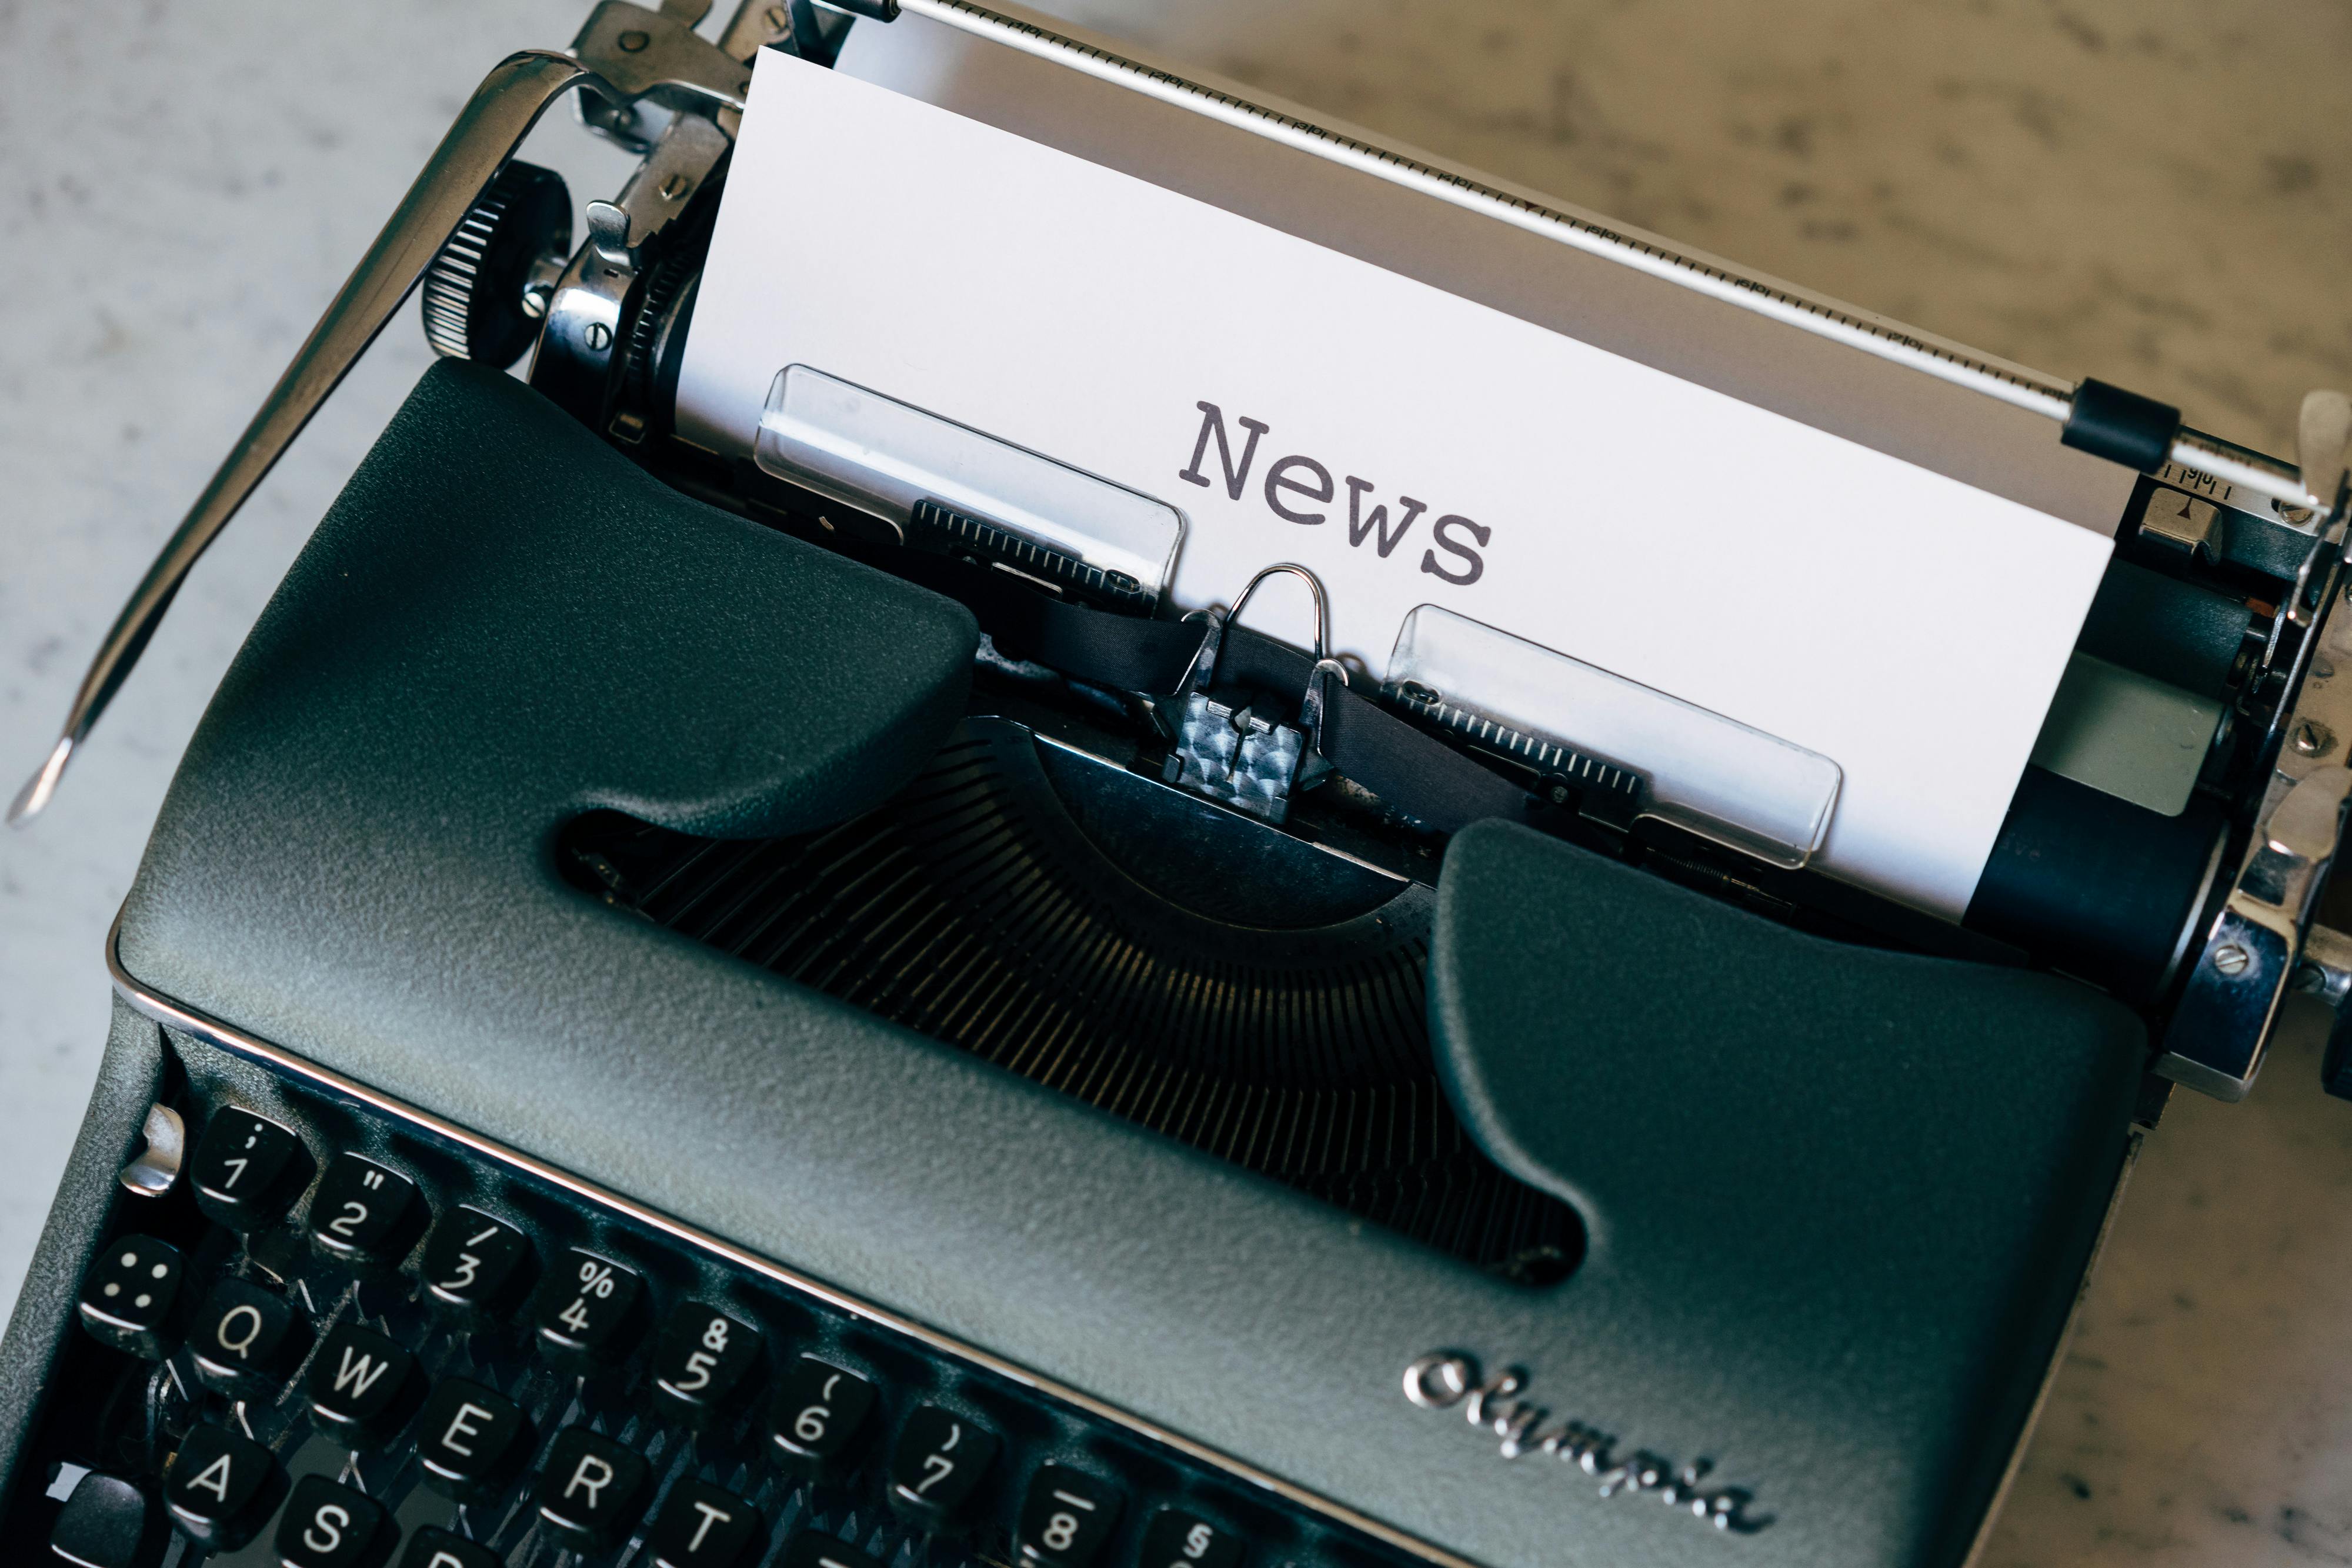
(1909, 628)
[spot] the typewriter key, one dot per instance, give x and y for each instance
(363, 1387)
(222, 1487)
(127, 1297)
(592, 1490)
(477, 1268)
(591, 1313)
(818, 1418)
(1066, 1517)
(937, 1465)
(365, 1216)
(246, 1339)
(704, 1363)
(433, 1547)
(470, 1440)
(108, 1523)
(1175, 1538)
(703, 1526)
(247, 1172)
(330, 1525)
(814, 1548)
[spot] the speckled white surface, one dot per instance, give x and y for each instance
(2151, 191)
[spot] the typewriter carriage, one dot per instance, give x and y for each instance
(2144, 902)
(2228, 568)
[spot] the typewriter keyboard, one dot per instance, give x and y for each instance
(346, 1340)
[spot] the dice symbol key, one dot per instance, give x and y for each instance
(127, 1296)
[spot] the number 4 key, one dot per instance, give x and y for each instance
(591, 1313)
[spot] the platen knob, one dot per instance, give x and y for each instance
(475, 302)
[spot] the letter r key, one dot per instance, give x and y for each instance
(592, 1489)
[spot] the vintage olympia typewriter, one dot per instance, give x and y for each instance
(790, 1007)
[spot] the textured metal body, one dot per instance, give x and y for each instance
(1828, 1254)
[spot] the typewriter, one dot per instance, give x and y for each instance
(721, 1009)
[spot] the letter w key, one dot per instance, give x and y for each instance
(363, 1387)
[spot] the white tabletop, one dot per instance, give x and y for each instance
(2152, 192)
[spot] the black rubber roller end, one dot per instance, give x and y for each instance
(2121, 426)
(474, 299)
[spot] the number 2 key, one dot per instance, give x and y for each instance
(365, 1216)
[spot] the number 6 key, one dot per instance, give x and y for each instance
(818, 1421)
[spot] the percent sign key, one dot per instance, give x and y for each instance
(591, 1314)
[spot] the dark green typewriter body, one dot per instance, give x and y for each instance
(666, 1063)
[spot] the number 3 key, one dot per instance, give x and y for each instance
(477, 1267)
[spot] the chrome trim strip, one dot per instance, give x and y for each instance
(214, 1031)
(488, 131)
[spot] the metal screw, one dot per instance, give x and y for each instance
(2231, 960)
(2313, 739)
(2298, 515)
(779, 19)
(675, 186)
(631, 42)
(599, 337)
(534, 300)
